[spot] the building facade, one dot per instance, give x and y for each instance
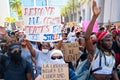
(110, 11)
(5, 11)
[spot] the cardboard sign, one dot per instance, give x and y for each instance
(2, 30)
(70, 51)
(55, 72)
(85, 25)
(42, 24)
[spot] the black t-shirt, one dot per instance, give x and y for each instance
(13, 71)
(115, 47)
(117, 52)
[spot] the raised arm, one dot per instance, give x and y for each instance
(61, 41)
(32, 51)
(96, 12)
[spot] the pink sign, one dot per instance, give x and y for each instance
(85, 25)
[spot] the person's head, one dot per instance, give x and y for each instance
(17, 33)
(115, 33)
(3, 45)
(105, 40)
(12, 34)
(46, 47)
(101, 29)
(14, 52)
(68, 30)
(56, 57)
(77, 34)
(23, 43)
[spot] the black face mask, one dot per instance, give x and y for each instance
(16, 56)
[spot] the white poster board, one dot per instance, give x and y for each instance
(42, 24)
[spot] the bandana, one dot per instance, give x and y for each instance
(102, 35)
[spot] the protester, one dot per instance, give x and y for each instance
(56, 57)
(27, 51)
(116, 48)
(116, 45)
(3, 46)
(19, 61)
(14, 66)
(42, 56)
(105, 46)
(71, 35)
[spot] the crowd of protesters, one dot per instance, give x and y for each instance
(21, 59)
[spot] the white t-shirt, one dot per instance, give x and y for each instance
(40, 59)
(106, 69)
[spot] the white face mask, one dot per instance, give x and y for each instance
(58, 61)
(45, 51)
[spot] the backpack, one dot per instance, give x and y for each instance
(83, 72)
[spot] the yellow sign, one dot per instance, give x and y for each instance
(10, 19)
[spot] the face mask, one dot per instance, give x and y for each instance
(45, 51)
(58, 61)
(16, 56)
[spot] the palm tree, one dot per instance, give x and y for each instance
(69, 8)
(84, 1)
(16, 6)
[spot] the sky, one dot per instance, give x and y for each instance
(57, 2)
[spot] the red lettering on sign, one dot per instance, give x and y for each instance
(25, 11)
(40, 11)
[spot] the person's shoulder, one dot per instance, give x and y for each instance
(25, 63)
(70, 70)
(38, 51)
(4, 56)
(72, 75)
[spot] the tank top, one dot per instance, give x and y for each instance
(106, 68)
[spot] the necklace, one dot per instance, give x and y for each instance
(110, 58)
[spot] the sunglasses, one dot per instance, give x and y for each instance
(56, 57)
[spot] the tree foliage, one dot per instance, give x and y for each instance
(68, 7)
(16, 5)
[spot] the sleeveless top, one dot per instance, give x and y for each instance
(107, 67)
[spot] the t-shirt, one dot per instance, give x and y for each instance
(26, 55)
(40, 59)
(13, 71)
(117, 52)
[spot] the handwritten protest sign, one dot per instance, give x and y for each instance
(2, 30)
(42, 24)
(55, 72)
(70, 51)
(86, 23)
